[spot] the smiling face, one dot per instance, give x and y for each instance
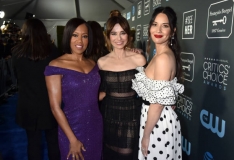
(79, 39)
(160, 31)
(118, 37)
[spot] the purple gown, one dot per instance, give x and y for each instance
(80, 99)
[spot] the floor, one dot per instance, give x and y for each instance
(13, 140)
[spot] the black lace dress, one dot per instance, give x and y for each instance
(121, 115)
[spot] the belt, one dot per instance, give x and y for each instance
(146, 102)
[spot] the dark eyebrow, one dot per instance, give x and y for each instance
(163, 23)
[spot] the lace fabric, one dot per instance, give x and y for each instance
(121, 110)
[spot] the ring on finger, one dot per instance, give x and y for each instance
(73, 156)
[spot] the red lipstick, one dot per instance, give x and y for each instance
(158, 36)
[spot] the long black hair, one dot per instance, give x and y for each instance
(99, 48)
(173, 43)
(70, 27)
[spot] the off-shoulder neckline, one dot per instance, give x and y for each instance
(75, 70)
(117, 71)
(142, 70)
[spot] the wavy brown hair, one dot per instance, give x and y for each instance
(111, 22)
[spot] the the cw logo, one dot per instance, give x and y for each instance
(186, 146)
(207, 119)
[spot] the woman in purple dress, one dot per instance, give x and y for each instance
(74, 80)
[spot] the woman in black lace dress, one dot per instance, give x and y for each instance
(120, 106)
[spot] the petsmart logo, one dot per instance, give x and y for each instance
(206, 119)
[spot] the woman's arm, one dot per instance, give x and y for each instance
(102, 95)
(53, 84)
(161, 71)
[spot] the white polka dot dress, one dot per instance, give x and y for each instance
(165, 139)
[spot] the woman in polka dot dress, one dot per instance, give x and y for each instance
(160, 134)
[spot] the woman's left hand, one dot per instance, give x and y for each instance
(145, 145)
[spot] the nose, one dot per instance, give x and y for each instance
(79, 39)
(119, 36)
(158, 29)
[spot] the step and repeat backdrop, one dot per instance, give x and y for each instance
(206, 108)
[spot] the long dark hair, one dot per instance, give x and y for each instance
(35, 43)
(99, 49)
(70, 27)
(175, 47)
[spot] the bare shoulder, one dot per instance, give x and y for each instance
(164, 60)
(137, 58)
(102, 60)
(164, 57)
(58, 61)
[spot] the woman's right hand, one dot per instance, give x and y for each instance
(76, 149)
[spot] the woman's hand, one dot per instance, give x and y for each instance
(144, 145)
(173, 107)
(75, 150)
(136, 50)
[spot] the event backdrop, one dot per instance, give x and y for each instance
(206, 108)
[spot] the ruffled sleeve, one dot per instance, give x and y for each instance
(51, 70)
(156, 91)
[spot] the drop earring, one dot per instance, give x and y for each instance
(172, 38)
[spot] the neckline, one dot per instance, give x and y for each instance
(117, 71)
(76, 70)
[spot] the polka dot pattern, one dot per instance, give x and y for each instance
(165, 138)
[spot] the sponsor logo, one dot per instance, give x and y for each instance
(146, 7)
(128, 15)
(186, 146)
(220, 19)
(124, 15)
(207, 121)
(215, 73)
(208, 156)
(188, 64)
(156, 3)
(139, 9)
(145, 31)
(138, 32)
(189, 20)
(184, 106)
(133, 13)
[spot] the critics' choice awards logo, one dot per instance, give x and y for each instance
(215, 73)
(156, 3)
(186, 146)
(133, 13)
(184, 106)
(128, 15)
(189, 20)
(139, 9)
(211, 122)
(138, 32)
(208, 156)
(146, 7)
(124, 15)
(145, 31)
(188, 64)
(220, 19)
